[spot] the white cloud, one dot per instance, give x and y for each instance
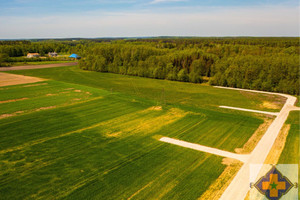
(164, 1)
(230, 21)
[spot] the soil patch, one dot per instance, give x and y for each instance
(156, 108)
(269, 101)
(271, 105)
(45, 108)
(11, 114)
(13, 79)
(12, 100)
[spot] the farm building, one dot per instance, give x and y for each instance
(74, 56)
(52, 54)
(33, 55)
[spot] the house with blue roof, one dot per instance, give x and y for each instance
(74, 56)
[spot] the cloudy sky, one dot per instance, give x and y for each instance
(131, 18)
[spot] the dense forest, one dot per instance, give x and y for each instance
(269, 64)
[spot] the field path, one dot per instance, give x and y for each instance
(37, 66)
(206, 149)
(249, 110)
(240, 185)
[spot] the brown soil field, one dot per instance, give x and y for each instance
(12, 79)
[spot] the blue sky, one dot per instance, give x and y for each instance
(108, 18)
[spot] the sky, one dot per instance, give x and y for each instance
(21, 19)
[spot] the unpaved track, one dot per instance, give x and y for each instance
(249, 110)
(37, 66)
(13, 79)
(206, 149)
(238, 188)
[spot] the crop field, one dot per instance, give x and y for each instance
(89, 135)
(291, 151)
(171, 92)
(292, 141)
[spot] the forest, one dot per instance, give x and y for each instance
(269, 64)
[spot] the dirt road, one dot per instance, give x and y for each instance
(240, 185)
(249, 110)
(36, 66)
(206, 149)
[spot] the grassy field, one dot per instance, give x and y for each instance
(32, 97)
(171, 92)
(89, 135)
(290, 153)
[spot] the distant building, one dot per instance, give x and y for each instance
(33, 55)
(74, 56)
(52, 54)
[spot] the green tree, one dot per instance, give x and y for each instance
(183, 75)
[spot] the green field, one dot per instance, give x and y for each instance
(291, 151)
(171, 92)
(96, 136)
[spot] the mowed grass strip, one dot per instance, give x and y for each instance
(171, 92)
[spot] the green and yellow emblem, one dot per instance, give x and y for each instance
(273, 185)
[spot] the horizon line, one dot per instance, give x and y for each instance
(145, 37)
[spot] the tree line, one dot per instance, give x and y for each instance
(14, 51)
(19, 48)
(269, 64)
